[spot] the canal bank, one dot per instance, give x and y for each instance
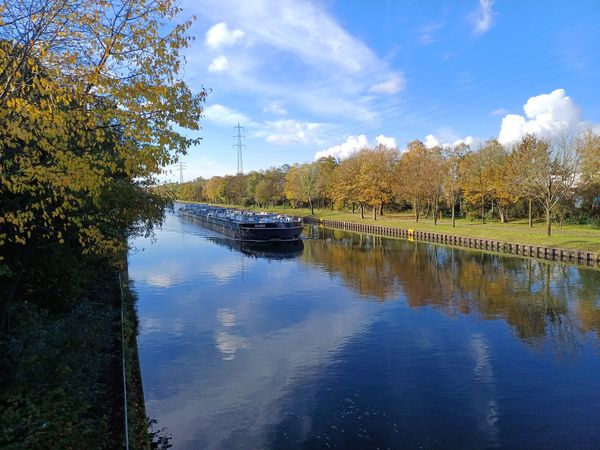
(65, 369)
(535, 251)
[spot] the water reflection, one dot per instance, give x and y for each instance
(361, 342)
(535, 297)
(268, 250)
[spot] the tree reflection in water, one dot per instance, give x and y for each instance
(540, 300)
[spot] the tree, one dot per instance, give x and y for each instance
(191, 191)
(413, 177)
(270, 189)
(325, 186)
(345, 180)
(90, 93)
(485, 176)
(301, 183)
(452, 179)
(376, 176)
(588, 151)
(497, 169)
(550, 174)
(215, 189)
(252, 181)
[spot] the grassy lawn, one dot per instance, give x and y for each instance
(576, 237)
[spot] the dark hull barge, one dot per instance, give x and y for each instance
(245, 225)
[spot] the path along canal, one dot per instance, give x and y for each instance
(355, 341)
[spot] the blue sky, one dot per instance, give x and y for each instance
(309, 78)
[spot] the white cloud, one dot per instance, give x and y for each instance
(341, 151)
(391, 86)
(333, 70)
(546, 115)
(220, 35)
(225, 116)
(275, 108)
(433, 141)
(469, 140)
(483, 18)
(218, 64)
(386, 141)
(288, 131)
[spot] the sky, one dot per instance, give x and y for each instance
(314, 78)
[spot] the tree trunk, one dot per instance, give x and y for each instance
(312, 210)
(374, 212)
(362, 211)
(530, 213)
(381, 209)
(501, 213)
(417, 210)
(353, 207)
(453, 208)
(482, 209)
(548, 222)
(435, 211)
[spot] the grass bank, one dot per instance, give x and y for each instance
(572, 237)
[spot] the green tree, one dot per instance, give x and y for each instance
(325, 186)
(301, 183)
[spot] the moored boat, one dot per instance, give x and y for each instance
(245, 225)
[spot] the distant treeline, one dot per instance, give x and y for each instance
(558, 179)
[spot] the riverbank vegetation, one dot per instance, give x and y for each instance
(558, 181)
(91, 106)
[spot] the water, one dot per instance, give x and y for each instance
(351, 341)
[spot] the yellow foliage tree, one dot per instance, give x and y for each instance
(90, 94)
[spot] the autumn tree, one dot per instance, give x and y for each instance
(325, 187)
(346, 178)
(413, 176)
(375, 180)
(90, 93)
(485, 176)
(497, 176)
(588, 151)
(301, 183)
(214, 190)
(451, 181)
(270, 189)
(550, 174)
(191, 191)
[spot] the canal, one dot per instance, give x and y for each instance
(355, 341)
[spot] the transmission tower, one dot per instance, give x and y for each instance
(238, 145)
(181, 167)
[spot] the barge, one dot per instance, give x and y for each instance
(245, 225)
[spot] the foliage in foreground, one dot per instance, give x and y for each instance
(57, 369)
(92, 105)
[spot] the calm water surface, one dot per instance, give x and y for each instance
(351, 341)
